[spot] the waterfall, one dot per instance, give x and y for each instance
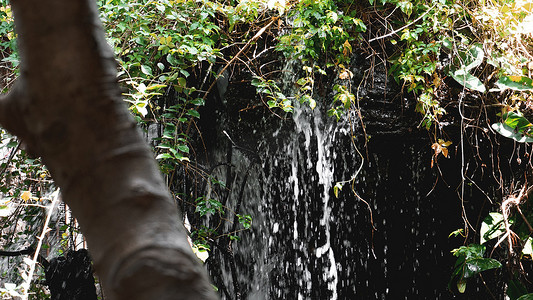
(289, 194)
(305, 243)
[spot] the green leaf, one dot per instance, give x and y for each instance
(492, 227)
(478, 265)
(193, 113)
(461, 286)
(473, 57)
(164, 156)
(509, 132)
(470, 251)
(171, 60)
(526, 297)
(200, 252)
(146, 70)
(183, 148)
(198, 102)
(245, 221)
(466, 79)
(515, 289)
(185, 73)
(470, 262)
(156, 87)
(336, 189)
(360, 25)
(516, 121)
(302, 81)
(141, 108)
(516, 83)
(447, 43)
(457, 232)
(5, 211)
(182, 82)
(12, 144)
(312, 103)
(528, 247)
(463, 63)
(272, 103)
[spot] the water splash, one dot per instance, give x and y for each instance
(307, 244)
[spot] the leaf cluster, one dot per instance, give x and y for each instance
(470, 262)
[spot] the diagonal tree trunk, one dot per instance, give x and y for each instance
(67, 108)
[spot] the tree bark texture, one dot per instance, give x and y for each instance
(66, 106)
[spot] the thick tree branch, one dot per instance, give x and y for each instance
(10, 114)
(71, 113)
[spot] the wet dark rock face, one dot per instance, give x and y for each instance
(70, 277)
(306, 243)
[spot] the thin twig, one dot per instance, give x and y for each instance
(506, 207)
(525, 219)
(11, 155)
(403, 27)
(26, 284)
(255, 37)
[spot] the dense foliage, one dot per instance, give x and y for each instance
(172, 53)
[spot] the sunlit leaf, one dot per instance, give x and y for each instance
(492, 227)
(461, 286)
(141, 88)
(146, 70)
(477, 265)
(516, 83)
(347, 48)
(26, 195)
(156, 86)
(456, 232)
(468, 80)
(528, 248)
(171, 60)
(445, 144)
(201, 253)
(473, 57)
(164, 156)
(312, 103)
(141, 108)
(336, 189)
(4, 211)
(509, 132)
(344, 75)
(445, 151)
(516, 121)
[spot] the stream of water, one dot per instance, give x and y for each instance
(306, 243)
